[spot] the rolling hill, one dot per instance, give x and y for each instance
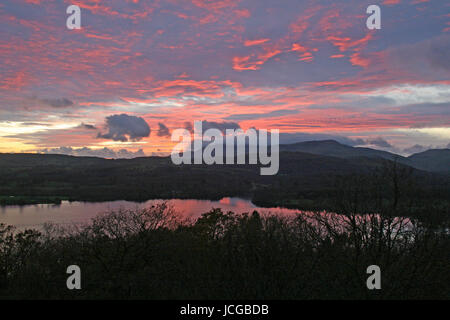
(436, 160)
(336, 149)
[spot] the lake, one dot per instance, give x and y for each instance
(29, 216)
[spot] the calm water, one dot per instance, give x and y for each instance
(80, 212)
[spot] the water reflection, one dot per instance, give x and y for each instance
(81, 212)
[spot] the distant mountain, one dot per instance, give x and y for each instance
(335, 149)
(437, 160)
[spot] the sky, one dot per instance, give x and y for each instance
(137, 70)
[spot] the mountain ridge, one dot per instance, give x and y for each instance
(433, 160)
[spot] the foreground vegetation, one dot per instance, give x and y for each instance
(152, 254)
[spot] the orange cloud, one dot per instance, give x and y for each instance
(254, 61)
(256, 42)
(391, 2)
(346, 43)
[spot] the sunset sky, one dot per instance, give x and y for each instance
(311, 69)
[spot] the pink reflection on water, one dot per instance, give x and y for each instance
(82, 212)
